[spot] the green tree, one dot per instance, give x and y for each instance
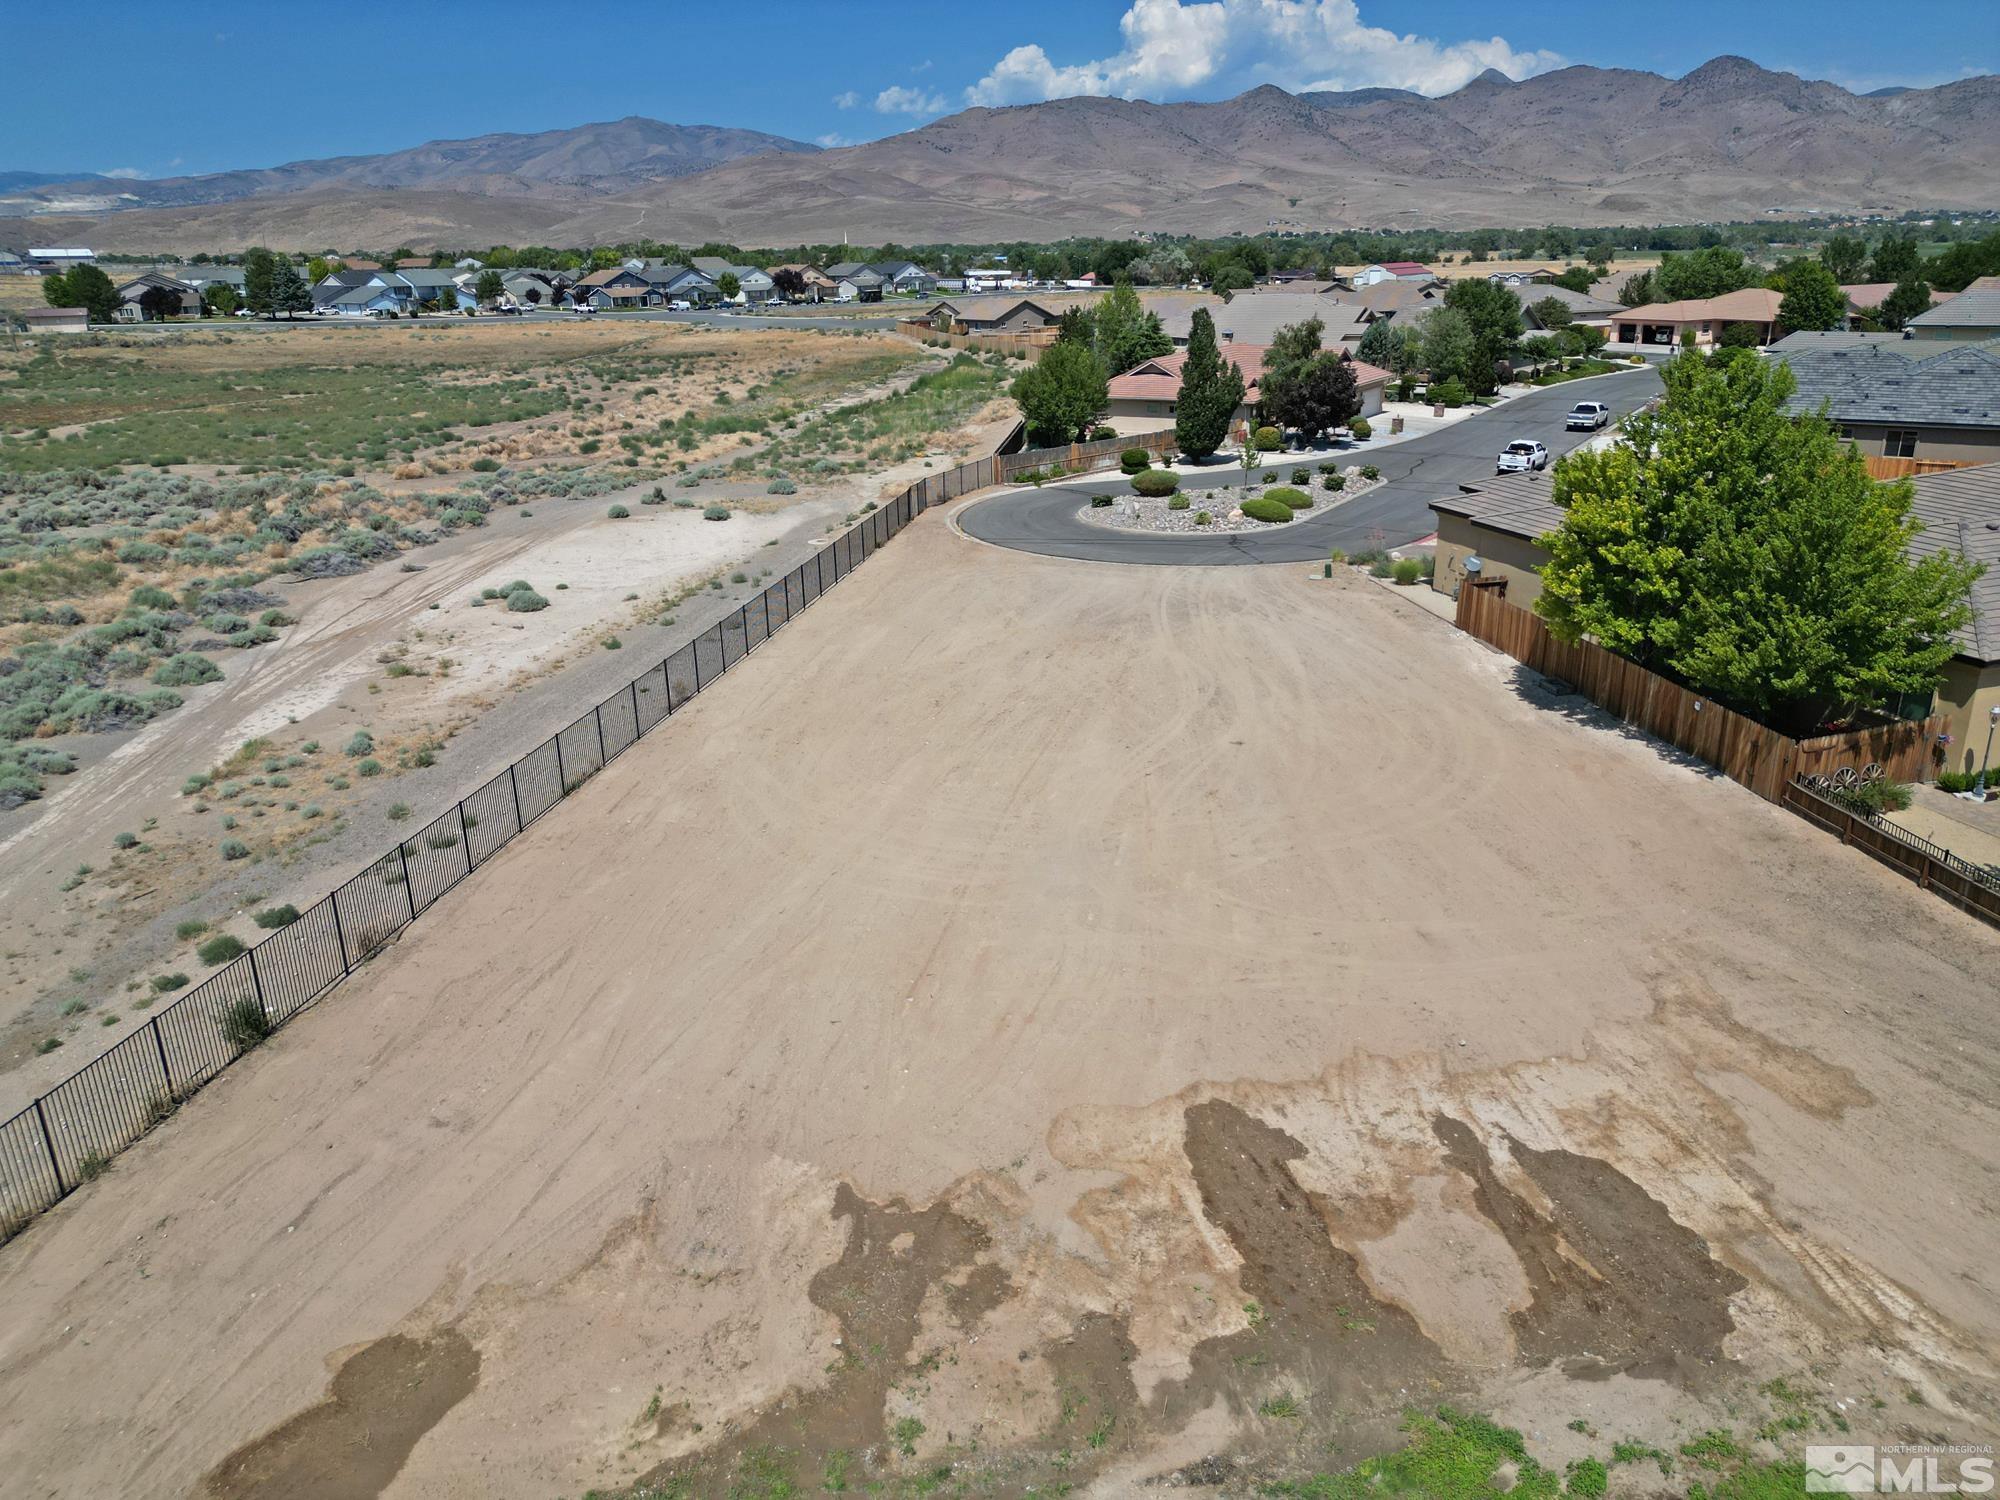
(1908, 300)
(1707, 272)
(319, 268)
(1744, 549)
(1075, 326)
(1964, 263)
(1061, 395)
(1450, 350)
(1896, 259)
(85, 287)
(1540, 348)
(1292, 350)
(1552, 313)
(1323, 395)
(221, 299)
(1813, 300)
(489, 288)
(1494, 314)
(1844, 255)
(729, 285)
(1577, 278)
(1639, 291)
(1210, 391)
(259, 279)
(1126, 333)
(1740, 336)
(289, 292)
(1393, 345)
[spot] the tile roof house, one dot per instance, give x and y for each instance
(1866, 296)
(1968, 316)
(1660, 324)
(1904, 398)
(1146, 396)
(1501, 520)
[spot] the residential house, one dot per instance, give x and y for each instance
(1661, 324)
(450, 289)
(818, 283)
(1255, 317)
(616, 287)
(857, 285)
(413, 263)
(530, 289)
(60, 257)
(991, 315)
(1830, 338)
(152, 295)
(682, 283)
(753, 284)
(56, 319)
(904, 277)
(204, 277)
(1287, 277)
(1393, 270)
(1540, 276)
(1591, 312)
(1905, 398)
(1389, 299)
(1611, 283)
(1970, 317)
(1865, 297)
(356, 290)
(468, 264)
(1500, 521)
(1146, 397)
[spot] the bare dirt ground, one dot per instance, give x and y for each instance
(1074, 1025)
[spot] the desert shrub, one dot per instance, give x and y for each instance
(618, 513)
(272, 917)
(1284, 494)
(1203, 518)
(715, 513)
(186, 670)
(1333, 484)
(612, 643)
(362, 743)
(1268, 440)
(1337, 558)
(1264, 508)
(1958, 781)
(235, 849)
(398, 811)
(1302, 476)
(485, 465)
(370, 767)
(526, 602)
(244, 1024)
(125, 840)
(1406, 570)
(781, 486)
(150, 598)
(1370, 473)
(219, 949)
(1178, 502)
(1156, 482)
(164, 984)
(1102, 434)
(1100, 502)
(1873, 797)
(1360, 430)
(1133, 460)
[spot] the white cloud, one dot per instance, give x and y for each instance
(905, 101)
(1173, 49)
(922, 67)
(831, 140)
(848, 100)
(123, 173)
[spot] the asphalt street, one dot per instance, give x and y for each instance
(1418, 471)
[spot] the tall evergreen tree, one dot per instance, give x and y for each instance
(89, 288)
(289, 292)
(1908, 300)
(1125, 332)
(1896, 259)
(1210, 392)
(259, 279)
(1813, 300)
(1293, 349)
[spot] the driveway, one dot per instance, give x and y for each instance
(1418, 471)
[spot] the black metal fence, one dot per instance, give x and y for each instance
(69, 1134)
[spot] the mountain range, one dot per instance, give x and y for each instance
(1581, 145)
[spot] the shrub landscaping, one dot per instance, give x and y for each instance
(1154, 483)
(1264, 508)
(1286, 495)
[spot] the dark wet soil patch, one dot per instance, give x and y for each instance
(1637, 1293)
(1319, 1342)
(350, 1445)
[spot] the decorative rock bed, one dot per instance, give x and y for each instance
(1138, 513)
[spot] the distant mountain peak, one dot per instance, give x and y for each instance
(1492, 78)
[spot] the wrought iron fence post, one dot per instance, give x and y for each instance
(562, 776)
(515, 786)
(695, 646)
(160, 1047)
(345, 966)
(597, 713)
(409, 891)
(257, 983)
(767, 614)
(49, 1141)
(634, 685)
(465, 833)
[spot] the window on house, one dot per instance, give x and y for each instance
(1899, 442)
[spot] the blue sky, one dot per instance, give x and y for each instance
(198, 87)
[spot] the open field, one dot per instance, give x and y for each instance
(154, 622)
(1065, 1025)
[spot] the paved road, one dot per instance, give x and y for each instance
(1418, 471)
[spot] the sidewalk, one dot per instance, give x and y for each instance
(1971, 830)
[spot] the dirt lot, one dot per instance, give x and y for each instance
(1072, 1025)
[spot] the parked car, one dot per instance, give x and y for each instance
(1521, 455)
(584, 310)
(1587, 416)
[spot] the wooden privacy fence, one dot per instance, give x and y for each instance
(1967, 886)
(1901, 468)
(1030, 345)
(1745, 751)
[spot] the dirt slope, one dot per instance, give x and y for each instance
(1032, 1003)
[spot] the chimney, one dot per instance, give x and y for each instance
(1228, 335)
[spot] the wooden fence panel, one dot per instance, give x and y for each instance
(1902, 468)
(1935, 869)
(1745, 751)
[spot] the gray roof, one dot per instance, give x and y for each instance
(1966, 310)
(993, 309)
(1798, 343)
(1959, 508)
(1580, 304)
(842, 268)
(1253, 317)
(1905, 381)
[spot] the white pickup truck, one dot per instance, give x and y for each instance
(1587, 416)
